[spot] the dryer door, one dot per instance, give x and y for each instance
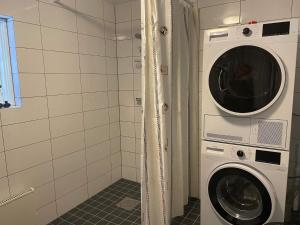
(240, 197)
(246, 80)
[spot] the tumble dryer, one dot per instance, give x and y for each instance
(248, 83)
(242, 185)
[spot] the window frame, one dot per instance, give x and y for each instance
(10, 95)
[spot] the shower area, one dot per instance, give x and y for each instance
(108, 131)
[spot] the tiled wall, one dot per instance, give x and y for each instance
(214, 13)
(129, 69)
(65, 139)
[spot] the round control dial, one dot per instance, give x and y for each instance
(240, 154)
(247, 31)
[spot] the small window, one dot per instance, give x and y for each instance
(9, 77)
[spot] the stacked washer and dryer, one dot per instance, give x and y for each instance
(247, 105)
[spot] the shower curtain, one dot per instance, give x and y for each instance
(170, 170)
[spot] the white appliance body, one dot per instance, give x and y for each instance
(270, 124)
(250, 179)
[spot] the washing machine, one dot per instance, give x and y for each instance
(248, 83)
(242, 185)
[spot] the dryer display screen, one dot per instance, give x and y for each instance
(272, 29)
(268, 157)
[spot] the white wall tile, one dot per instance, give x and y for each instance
(110, 30)
(98, 152)
(59, 40)
(113, 98)
(63, 84)
(124, 30)
(94, 82)
(70, 182)
(111, 66)
(114, 130)
(67, 144)
(25, 11)
(212, 17)
(4, 189)
(94, 101)
(33, 177)
(23, 158)
(126, 98)
(64, 104)
(22, 134)
(60, 62)
(30, 60)
(45, 195)
(96, 135)
(115, 144)
(116, 174)
(114, 114)
(124, 48)
(92, 64)
(129, 173)
(3, 170)
(206, 3)
(125, 65)
(57, 17)
(71, 200)
(296, 8)
(123, 12)
(99, 184)
(92, 7)
(91, 45)
(96, 118)
(98, 169)
(64, 125)
(69, 163)
(126, 82)
(109, 12)
(116, 160)
(27, 81)
(128, 144)
(136, 10)
(90, 26)
(28, 35)
(126, 114)
(276, 9)
(32, 109)
(111, 48)
(128, 159)
(127, 129)
(113, 83)
(46, 214)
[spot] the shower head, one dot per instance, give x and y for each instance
(138, 36)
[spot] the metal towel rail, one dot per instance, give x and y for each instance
(16, 197)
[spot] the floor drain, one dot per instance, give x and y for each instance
(128, 203)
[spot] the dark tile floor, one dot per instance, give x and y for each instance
(101, 209)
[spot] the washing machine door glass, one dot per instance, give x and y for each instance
(245, 79)
(239, 197)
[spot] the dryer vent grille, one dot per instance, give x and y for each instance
(269, 133)
(225, 137)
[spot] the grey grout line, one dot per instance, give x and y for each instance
(49, 125)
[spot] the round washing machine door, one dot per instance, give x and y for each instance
(240, 195)
(246, 80)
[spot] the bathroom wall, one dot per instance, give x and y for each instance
(129, 73)
(214, 13)
(65, 139)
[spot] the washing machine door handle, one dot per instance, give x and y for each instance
(221, 80)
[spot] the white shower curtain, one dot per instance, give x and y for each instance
(170, 109)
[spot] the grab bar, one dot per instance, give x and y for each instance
(16, 197)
